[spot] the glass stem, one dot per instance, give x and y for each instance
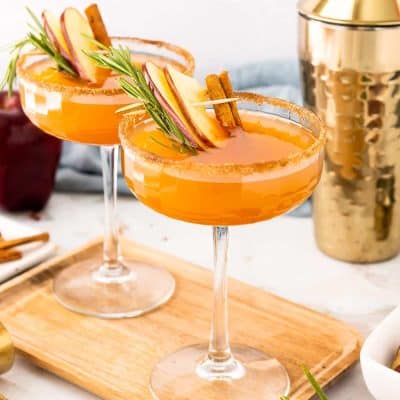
(111, 249)
(220, 363)
(219, 349)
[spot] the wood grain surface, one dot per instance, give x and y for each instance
(114, 358)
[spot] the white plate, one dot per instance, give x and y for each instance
(33, 253)
(376, 356)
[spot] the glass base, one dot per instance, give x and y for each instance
(133, 288)
(250, 375)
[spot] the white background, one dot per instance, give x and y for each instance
(220, 33)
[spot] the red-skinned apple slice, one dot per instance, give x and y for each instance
(158, 84)
(76, 30)
(52, 27)
(188, 91)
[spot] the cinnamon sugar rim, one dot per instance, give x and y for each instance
(244, 169)
(188, 63)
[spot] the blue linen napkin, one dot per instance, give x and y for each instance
(80, 166)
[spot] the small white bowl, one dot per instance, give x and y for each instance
(377, 354)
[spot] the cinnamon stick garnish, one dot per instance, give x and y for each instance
(8, 244)
(223, 111)
(97, 24)
(9, 255)
(228, 89)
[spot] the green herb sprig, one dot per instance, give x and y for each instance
(38, 38)
(118, 59)
(318, 390)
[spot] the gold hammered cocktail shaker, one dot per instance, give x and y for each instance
(350, 65)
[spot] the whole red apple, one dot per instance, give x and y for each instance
(28, 159)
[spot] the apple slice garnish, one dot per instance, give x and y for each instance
(188, 92)
(52, 27)
(158, 84)
(77, 33)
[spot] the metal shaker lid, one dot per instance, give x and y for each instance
(352, 12)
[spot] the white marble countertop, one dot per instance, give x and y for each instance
(278, 255)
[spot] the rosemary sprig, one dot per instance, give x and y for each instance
(314, 384)
(38, 38)
(11, 70)
(118, 59)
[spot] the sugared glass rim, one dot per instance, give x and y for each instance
(244, 169)
(81, 90)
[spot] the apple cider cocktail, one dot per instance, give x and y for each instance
(209, 155)
(69, 96)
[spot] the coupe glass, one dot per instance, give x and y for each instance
(108, 286)
(221, 195)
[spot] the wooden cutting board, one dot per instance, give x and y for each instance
(114, 358)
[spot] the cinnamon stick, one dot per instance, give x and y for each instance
(9, 255)
(97, 24)
(8, 244)
(228, 89)
(222, 111)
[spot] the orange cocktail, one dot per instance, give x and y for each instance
(267, 164)
(262, 171)
(80, 111)
(83, 111)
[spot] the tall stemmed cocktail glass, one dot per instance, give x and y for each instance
(221, 187)
(78, 111)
